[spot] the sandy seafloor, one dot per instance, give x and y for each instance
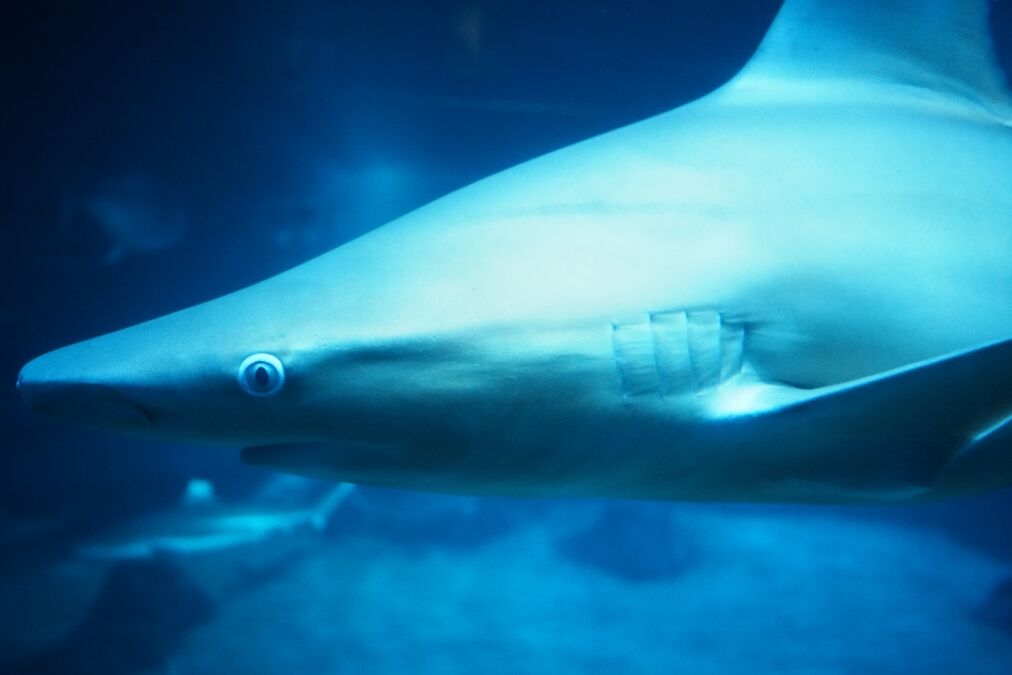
(760, 591)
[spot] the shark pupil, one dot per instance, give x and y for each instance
(261, 377)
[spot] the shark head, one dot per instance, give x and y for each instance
(387, 374)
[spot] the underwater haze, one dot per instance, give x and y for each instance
(160, 154)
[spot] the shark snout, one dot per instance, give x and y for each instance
(78, 398)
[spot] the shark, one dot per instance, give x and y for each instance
(797, 288)
(204, 526)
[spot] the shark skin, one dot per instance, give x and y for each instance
(794, 289)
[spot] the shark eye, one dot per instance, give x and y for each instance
(261, 375)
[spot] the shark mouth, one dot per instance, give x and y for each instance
(96, 406)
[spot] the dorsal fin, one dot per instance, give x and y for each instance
(941, 45)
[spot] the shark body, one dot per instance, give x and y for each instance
(208, 527)
(795, 289)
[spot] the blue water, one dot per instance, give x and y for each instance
(160, 154)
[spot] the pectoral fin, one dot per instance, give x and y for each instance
(939, 426)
